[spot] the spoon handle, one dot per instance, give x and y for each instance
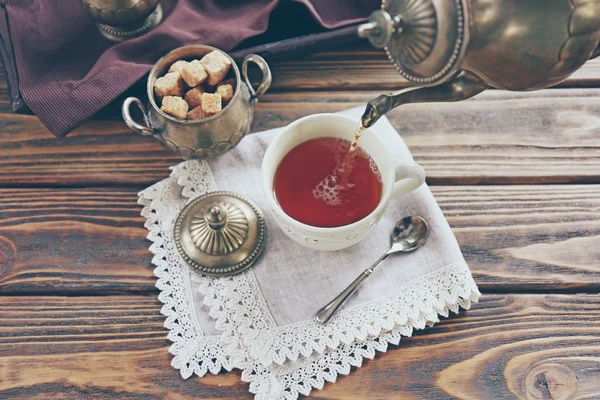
(326, 313)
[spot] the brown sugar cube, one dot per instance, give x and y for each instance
(175, 106)
(193, 73)
(226, 92)
(169, 85)
(213, 89)
(217, 66)
(196, 113)
(194, 97)
(177, 66)
(211, 103)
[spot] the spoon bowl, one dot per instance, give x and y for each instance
(409, 234)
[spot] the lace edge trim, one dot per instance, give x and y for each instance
(184, 349)
(269, 386)
(272, 351)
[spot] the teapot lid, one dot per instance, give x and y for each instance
(220, 233)
(424, 39)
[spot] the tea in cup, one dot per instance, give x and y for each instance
(320, 183)
(322, 195)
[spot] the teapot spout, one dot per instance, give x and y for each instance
(375, 109)
(460, 87)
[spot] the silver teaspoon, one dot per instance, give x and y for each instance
(409, 234)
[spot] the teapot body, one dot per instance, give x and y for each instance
(530, 44)
(509, 44)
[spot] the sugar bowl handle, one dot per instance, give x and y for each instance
(130, 122)
(266, 75)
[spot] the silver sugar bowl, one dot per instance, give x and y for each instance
(210, 136)
(119, 20)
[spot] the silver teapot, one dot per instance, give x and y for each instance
(450, 50)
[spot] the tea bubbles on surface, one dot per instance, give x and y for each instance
(322, 183)
(329, 189)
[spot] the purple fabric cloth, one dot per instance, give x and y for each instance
(68, 71)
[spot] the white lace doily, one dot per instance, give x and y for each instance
(194, 351)
(279, 360)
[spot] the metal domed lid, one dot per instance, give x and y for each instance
(424, 39)
(220, 233)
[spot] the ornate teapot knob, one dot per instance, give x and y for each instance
(425, 39)
(380, 28)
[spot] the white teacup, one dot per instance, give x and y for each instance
(398, 179)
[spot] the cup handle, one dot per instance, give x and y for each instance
(130, 122)
(266, 75)
(408, 178)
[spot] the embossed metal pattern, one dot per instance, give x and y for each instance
(206, 152)
(533, 44)
(120, 12)
(426, 47)
(119, 20)
(237, 250)
(119, 34)
(222, 239)
(418, 36)
(584, 35)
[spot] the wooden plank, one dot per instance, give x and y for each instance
(98, 153)
(498, 137)
(363, 67)
(359, 67)
(73, 241)
(523, 346)
(92, 241)
(356, 67)
(5, 106)
(527, 238)
(501, 137)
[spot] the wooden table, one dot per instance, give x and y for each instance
(516, 174)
